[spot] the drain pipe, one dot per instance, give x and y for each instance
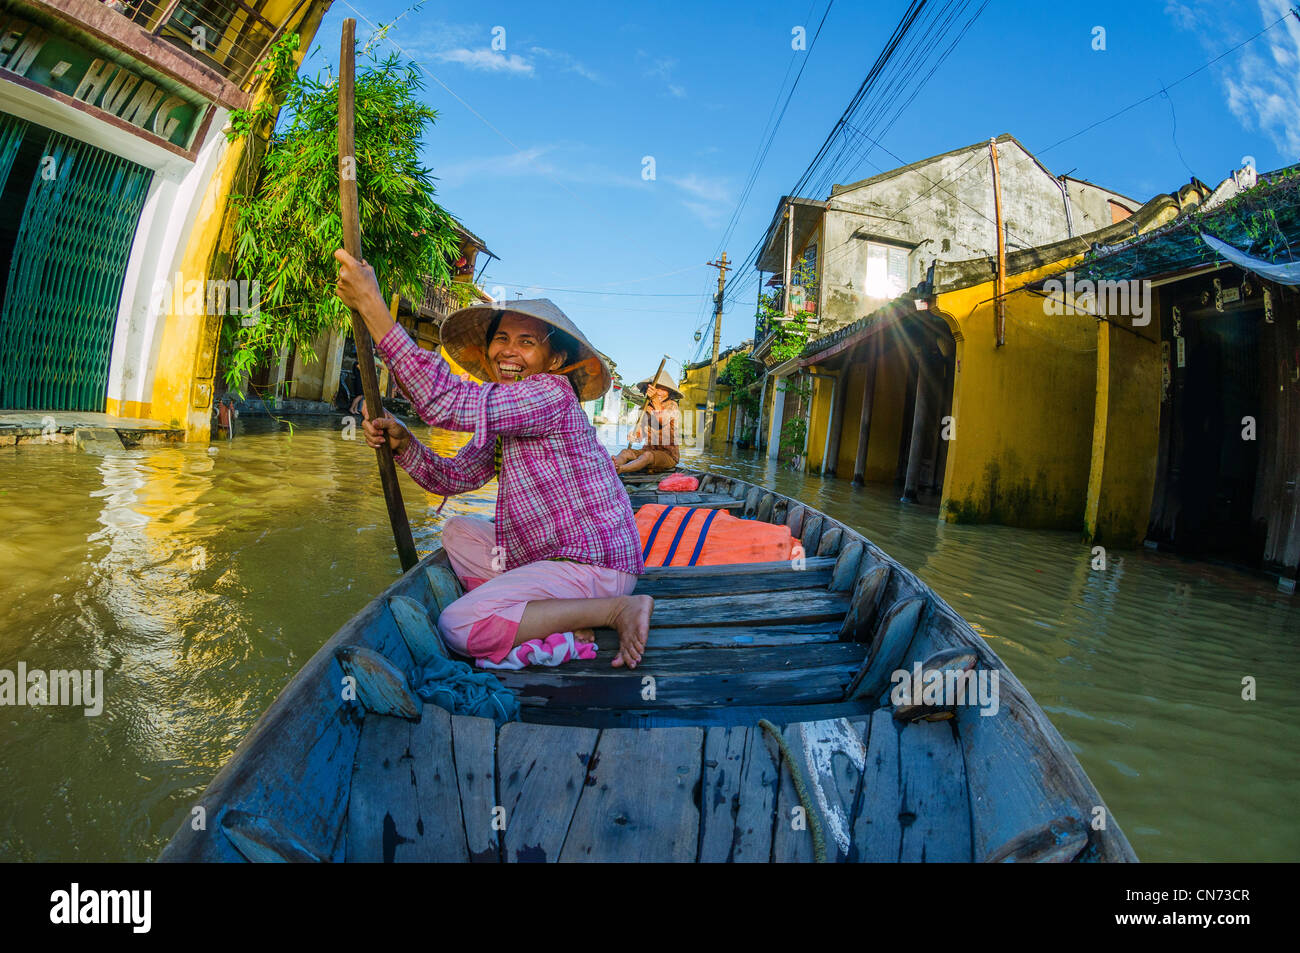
(1000, 287)
(1069, 215)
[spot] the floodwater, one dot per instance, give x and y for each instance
(200, 580)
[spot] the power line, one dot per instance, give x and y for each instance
(584, 291)
(1165, 89)
(901, 30)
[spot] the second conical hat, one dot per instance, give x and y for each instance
(664, 381)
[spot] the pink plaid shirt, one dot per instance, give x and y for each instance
(559, 495)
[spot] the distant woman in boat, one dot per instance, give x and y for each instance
(660, 426)
(564, 553)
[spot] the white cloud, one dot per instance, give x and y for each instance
(661, 69)
(1262, 80)
(559, 162)
(491, 60)
(566, 62)
(710, 199)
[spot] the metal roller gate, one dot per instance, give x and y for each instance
(64, 280)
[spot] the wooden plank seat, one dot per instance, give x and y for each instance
(704, 501)
(729, 637)
(794, 607)
(663, 586)
(641, 478)
(737, 569)
(681, 678)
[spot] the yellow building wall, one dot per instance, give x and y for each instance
(1023, 412)
(888, 404)
(819, 421)
(182, 389)
(1126, 432)
(695, 390)
(854, 378)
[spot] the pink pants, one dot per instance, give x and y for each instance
(482, 623)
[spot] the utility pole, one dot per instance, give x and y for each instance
(717, 340)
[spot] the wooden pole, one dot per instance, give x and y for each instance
(1000, 288)
(864, 421)
(351, 215)
(644, 418)
(711, 395)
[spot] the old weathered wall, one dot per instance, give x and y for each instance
(943, 209)
(186, 361)
(1023, 412)
(1126, 431)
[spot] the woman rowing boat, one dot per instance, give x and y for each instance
(660, 426)
(564, 553)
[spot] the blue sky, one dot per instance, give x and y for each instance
(540, 147)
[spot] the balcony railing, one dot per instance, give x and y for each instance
(437, 302)
(228, 35)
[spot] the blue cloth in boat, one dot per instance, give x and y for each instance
(457, 687)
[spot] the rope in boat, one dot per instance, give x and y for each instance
(801, 787)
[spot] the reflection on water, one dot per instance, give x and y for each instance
(201, 580)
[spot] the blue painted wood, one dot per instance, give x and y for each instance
(868, 593)
(1059, 841)
(474, 743)
(260, 842)
(892, 637)
(794, 519)
(812, 533)
(932, 784)
(418, 631)
(541, 772)
(405, 805)
(295, 765)
(756, 812)
(734, 584)
(1020, 773)
(878, 827)
(724, 763)
(792, 840)
(830, 543)
(912, 705)
(444, 586)
(632, 812)
(295, 768)
(832, 755)
(708, 716)
(816, 672)
(381, 686)
(845, 573)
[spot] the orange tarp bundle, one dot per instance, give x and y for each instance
(691, 536)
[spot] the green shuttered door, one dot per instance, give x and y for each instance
(65, 279)
(11, 137)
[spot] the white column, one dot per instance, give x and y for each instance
(774, 427)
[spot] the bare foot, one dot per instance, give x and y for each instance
(632, 622)
(584, 635)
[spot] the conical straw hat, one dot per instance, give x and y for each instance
(664, 381)
(464, 335)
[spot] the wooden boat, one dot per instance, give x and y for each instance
(760, 726)
(643, 488)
